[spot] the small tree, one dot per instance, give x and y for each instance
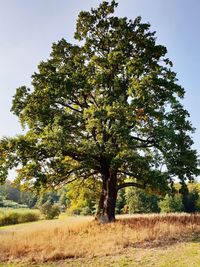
(63, 200)
(172, 203)
(121, 201)
(108, 108)
(190, 201)
(139, 201)
(50, 196)
(50, 210)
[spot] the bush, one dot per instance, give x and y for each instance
(49, 210)
(85, 211)
(8, 217)
(11, 218)
(28, 217)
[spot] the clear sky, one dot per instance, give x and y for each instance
(28, 28)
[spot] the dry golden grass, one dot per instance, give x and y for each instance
(85, 238)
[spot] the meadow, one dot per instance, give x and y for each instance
(135, 240)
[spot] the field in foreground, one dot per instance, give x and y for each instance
(142, 240)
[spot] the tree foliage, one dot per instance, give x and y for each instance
(108, 107)
(50, 210)
(83, 196)
(172, 203)
(139, 201)
(192, 202)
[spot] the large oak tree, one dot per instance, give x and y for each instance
(107, 107)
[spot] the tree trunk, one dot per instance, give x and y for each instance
(107, 201)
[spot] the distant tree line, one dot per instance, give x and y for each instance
(82, 198)
(13, 196)
(139, 201)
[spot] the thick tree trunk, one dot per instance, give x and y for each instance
(106, 208)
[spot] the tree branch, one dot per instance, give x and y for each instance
(141, 186)
(74, 155)
(93, 98)
(148, 140)
(129, 174)
(68, 106)
(84, 176)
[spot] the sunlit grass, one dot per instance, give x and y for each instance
(82, 237)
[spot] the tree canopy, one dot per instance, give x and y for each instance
(107, 107)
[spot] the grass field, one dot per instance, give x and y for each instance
(138, 240)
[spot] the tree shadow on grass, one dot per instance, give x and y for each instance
(196, 238)
(161, 244)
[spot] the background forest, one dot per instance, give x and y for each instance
(82, 198)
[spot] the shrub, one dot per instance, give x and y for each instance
(8, 217)
(49, 210)
(85, 211)
(28, 217)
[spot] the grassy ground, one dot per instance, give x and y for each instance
(145, 240)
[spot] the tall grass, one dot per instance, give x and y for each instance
(15, 216)
(84, 237)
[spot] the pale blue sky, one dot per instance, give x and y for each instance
(28, 28)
